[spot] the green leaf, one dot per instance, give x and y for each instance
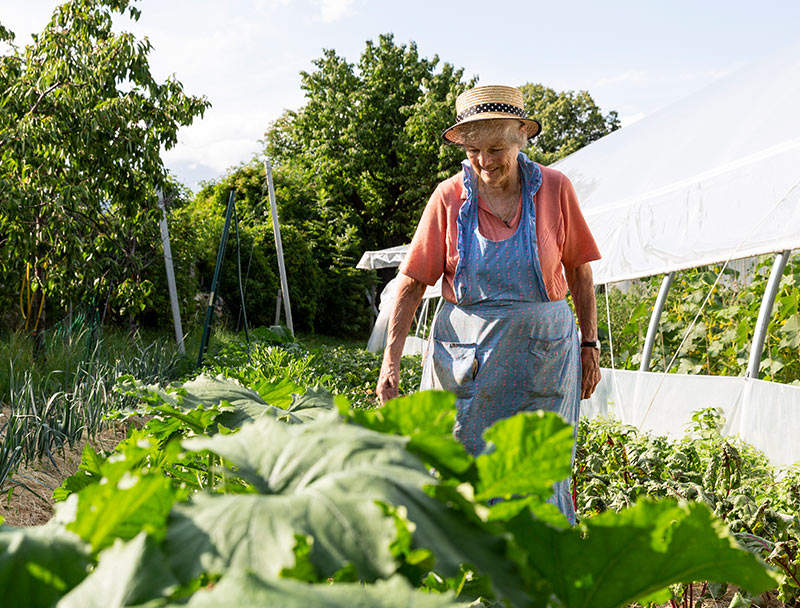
(544, 511)
(327, 480)
(279, 394)
(790, 333)
(88, 473)
(121, 509)
(635, 554)
(525, 454)
(39, 565)
(126, 495)
(127, 573)
(246, 590)
(427, 418)
(314, 402)
(207, 400)
(319, 481)
(303, 569)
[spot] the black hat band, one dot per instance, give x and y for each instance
(491, 107)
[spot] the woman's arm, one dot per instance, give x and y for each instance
(581, 286)
(409, 295)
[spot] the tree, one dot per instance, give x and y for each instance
(82, 125)
(569, 121)
(368, 139)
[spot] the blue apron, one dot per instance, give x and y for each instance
(505, 347)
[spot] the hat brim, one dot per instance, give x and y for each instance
(533, 126)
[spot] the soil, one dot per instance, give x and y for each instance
(29, 501)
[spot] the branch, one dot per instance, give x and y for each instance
(49, 90)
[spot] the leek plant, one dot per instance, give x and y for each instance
(53, 402)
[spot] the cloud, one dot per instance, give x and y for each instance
(333, 10)
(711, 75)
(267, 7)
(629, 76)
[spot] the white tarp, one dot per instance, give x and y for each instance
(711, 178)
(414, 345)
(383, 258)
(389, 258)
(765, 414)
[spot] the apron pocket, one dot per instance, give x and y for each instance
(454, 367)
(548, 363)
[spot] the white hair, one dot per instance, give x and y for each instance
(511, 130)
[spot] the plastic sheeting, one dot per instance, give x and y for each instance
(765, 414)
(383, 258)
(414, 345)
(711, 178)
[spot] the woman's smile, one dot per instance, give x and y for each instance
(494, 162)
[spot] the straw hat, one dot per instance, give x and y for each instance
(491, 103)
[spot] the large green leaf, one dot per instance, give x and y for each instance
(525, 454)
(39, 565)
(636, 553)
(127, 573)
(88, 473)
(427, 418)
(314, 479)
(316, 401)
(325, 479)
(246, 590)
(125, 496)
(107, 511)
(237, 404)
(279, 394)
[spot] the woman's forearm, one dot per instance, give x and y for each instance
(409, 295)
(581, 286)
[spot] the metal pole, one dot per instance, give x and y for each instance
(765, 312)
(655, 319)
(212, 297)
(173, 292)
(287, 309)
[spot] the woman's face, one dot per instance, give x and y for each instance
(494, 160)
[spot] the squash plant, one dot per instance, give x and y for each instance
(227, 499)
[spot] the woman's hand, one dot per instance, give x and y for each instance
(590, 371)
(388, 381)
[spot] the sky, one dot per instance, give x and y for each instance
(245, 56)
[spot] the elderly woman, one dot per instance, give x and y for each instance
(509, 237)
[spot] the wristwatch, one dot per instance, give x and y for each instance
(591, 344)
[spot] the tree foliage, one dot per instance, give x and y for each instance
(367, 141)
(82, 126)
(569, 120)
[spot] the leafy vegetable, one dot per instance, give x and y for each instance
(327, 479)
(39, 565)
(127, 573)
(616, 558)
(246, 590)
